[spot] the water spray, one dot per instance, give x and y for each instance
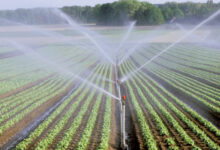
(58, 67)
(53, 34)
(82, 30)
(131, 74)
(122, 109)
(127, 35)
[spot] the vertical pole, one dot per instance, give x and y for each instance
(122, 111)
(124, 146)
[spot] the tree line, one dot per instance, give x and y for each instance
(121, 12)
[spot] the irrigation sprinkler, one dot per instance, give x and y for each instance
(122, 109)
(123, 143)
(118, 81)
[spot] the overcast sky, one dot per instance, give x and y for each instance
(14, 4)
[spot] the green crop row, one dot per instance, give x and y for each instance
(106, 125)
(194, 114)
(194, 128)
(169, 117)
(149, 141)
(156, 119)
(213, 78)
(210, 106)
(186, 60)
(85, 136)
(44, 143)
(39, 130)
(189, 89)
(24, 112)
(190, 82)
(28, 101)
(67, 137)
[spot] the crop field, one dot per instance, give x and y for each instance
(172, 103)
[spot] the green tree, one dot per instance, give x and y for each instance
(154, 16)
(148, 14)
(167, 13)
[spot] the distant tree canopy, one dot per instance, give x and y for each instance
(121, 12)
(188, 11)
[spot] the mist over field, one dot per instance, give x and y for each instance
(123, 75)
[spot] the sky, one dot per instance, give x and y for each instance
(14, 4)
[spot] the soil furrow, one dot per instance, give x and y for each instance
(159, 140)
(134, 139)
(79, 131)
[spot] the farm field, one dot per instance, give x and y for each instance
(172, 103)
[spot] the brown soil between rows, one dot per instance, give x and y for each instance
(200, 108)
(50, 126)
(59, 136)
(134, 137)
(134, 124)
(181, 85)
(12, 108)
(20, 74)
(198, 141)
(180, 72)
(191, 76)
(188, 99)
(188, 56)
(26, 86)
(95, 138)
(96, 132)
(204, 58)
(189, 132)
(97, 127)
(193, 67)
(207, 132)
(159, 139)
(77, 135)
(184, 84)
(181, 64)
(10, 132)
(54, 122)
(172, 131)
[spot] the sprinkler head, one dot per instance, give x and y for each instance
(123, 97)
(118, 81)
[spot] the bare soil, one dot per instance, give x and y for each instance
(134, 139)
(198, 107)
(10, 132)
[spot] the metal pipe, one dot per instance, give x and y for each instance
(122, 111)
